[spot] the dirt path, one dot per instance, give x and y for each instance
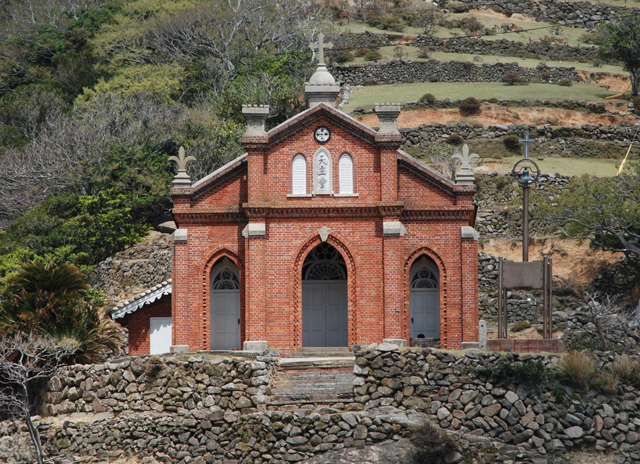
(494, 114)
(572, 260)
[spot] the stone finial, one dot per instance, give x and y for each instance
(464, 176)
(256, 116)
(182, 179)
(388, 116)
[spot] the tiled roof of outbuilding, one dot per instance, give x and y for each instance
(138, 301)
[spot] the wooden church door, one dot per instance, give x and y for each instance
(225, 307)
(324, 298)
(424, 301)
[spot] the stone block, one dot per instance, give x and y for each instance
(179, 349)
(255, 345)
(395, 341)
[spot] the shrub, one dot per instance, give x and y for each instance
(433, 79)
(608, 382)
(471, 24)
(530, 373)
(470, 105)
(521, 325)
(493, 100)
(373, 55)
(457, 7)
(565, 83)
(454, 139)
(423, 52)
(361, 52)
(500, 184)
(386, 23)
(342, 56)
(513, 78)
(428, 98)
(511, 142)
(577, 368)
(431, 445)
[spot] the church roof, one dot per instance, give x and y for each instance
(322, 110)
(434, 176)
(138, 301)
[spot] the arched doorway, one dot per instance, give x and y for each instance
(424, 302)
(225, 306)
(324, 298)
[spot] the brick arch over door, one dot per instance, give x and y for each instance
(209, 264)
(444, 322)
(309, 245)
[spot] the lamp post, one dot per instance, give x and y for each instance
(522, 171)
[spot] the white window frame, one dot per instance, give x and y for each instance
(303, 191)
(340, 177)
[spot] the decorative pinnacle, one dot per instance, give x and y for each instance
(465, 176)
(182, 179)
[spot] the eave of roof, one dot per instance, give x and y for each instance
(434, 176)
(138, 301)
(211, 178)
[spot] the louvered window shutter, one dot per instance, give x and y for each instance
(345, 172)
(299, 175)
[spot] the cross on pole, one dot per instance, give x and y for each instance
(320, 46)
(526, 141)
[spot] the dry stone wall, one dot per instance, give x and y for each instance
(398, 72)
(450, 389)
(575, 14)
(216, 386)
(504, 47)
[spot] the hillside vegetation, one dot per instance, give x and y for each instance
(95, 95)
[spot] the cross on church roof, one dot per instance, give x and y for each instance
(320, 46)
(526, 141)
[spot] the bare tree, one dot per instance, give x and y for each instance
(607, 314)
(428, 16)
(26, 360)
(604, 210)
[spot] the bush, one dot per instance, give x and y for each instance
(513, 78)
(457, 7)
(373, 55)
(423, 52)
(470, 105)
(511, 142)
(342, 56)
(361, 52)
(530, 373)
(386, 23)
(565, 83)
(428, 98)
(521, 325)
(431, 445)
(577, 368)
(433, 79)
(493, 100)
(608, 382)
(454, 139)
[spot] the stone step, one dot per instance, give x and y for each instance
(322, 351)
(313, 385)
(327, 363)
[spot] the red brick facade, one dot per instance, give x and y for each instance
(138, 324)
(389, 186)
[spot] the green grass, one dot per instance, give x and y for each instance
(565, 166)
(367, 96)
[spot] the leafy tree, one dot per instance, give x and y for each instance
(55, 301)
(620, 40)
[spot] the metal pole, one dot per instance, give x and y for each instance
(525, 223)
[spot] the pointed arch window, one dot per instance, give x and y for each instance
(345, 174)
(299, 175)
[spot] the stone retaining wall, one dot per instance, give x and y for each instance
(504, 47)
(449, 388)
(575, 14)
(218, 386)
(398, 72)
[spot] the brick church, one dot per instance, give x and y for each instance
(323, 234)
